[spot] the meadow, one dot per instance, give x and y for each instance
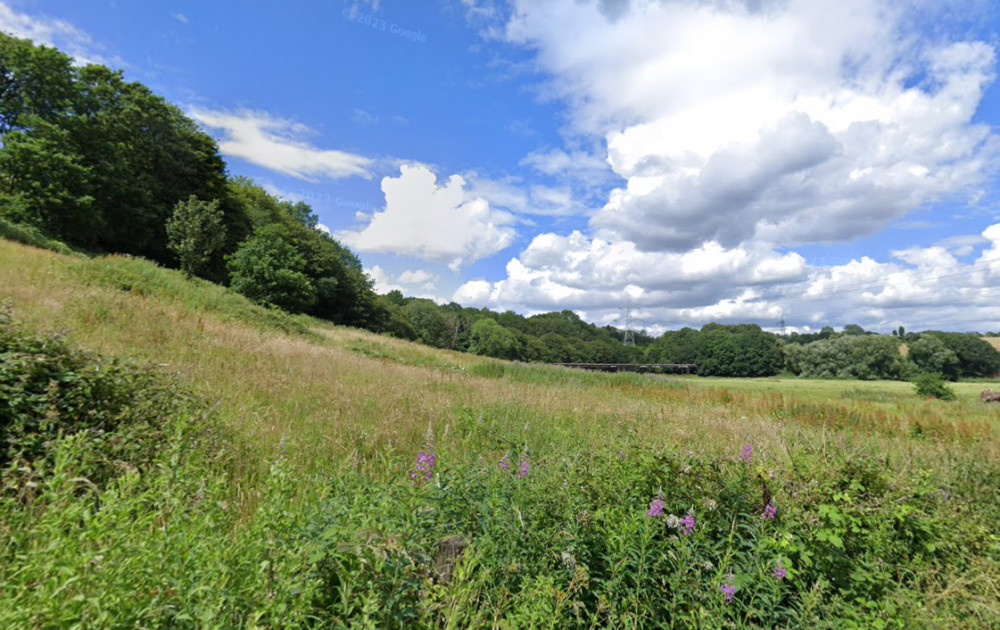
(307, 475)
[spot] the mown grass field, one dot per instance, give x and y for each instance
(886, 503)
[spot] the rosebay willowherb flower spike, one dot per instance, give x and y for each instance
(728, 590)
(523, 466)
(423, 467)
(655, 508)
(687, 523)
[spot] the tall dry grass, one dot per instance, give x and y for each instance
(321, 394)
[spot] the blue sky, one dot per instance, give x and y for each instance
(717, 160)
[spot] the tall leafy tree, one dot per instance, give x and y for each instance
(35, 82)
(85, 141)
(343, 292)
(429, 322)
(493, 340)
(930, 354)
(43, 183)
(146, 155)
(195, 232)
(976, 356)
(865, 357)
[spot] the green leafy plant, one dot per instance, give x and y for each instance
(932, 385)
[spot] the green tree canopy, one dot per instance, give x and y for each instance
(429, 322)
(976, 356)
(865, 357)
(344, 293)
(268, 270)
(930, 354)
(92, 158)
(35, 81)
(44, 183)
(490, 339)
(720, 350)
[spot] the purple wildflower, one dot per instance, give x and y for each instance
(746, 453)
(770, 511)
(423, 466)
(728, 590)
(523, 466)
(655, 508)
(687, 523)
(779, 572)
(504, 464)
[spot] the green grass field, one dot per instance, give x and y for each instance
(307, 505)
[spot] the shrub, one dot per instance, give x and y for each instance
(49, 389)
(932, 385)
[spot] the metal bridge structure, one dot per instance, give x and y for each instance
(686, 368)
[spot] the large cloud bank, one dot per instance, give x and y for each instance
(743, 129)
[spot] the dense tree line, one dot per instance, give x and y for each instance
(954, 355)
(106, 165)
(93, 159)
(870, 356)
(865, 357)
(740, 350)
(557, 337)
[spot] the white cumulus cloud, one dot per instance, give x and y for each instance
(435, 223)
(411, 283)
(743, 130)
(556, 272)
(918, 287)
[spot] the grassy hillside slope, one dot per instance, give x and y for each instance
(885, 503)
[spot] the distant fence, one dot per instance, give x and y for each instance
(686, 368)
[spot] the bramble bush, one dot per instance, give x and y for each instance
(48, 389)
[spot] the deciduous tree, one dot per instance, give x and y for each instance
(195, 232)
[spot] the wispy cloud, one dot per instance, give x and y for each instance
(278, 144)
(363, 118)
(43, 29)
